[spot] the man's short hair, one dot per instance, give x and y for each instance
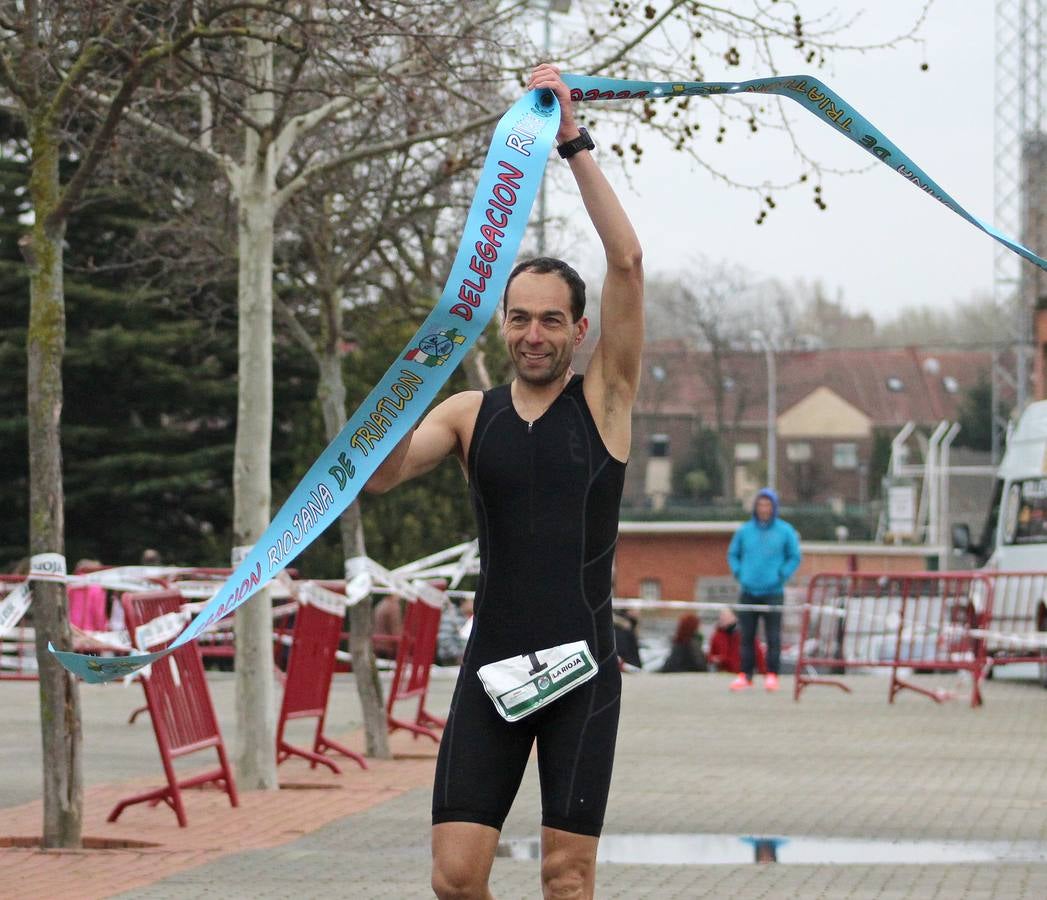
(548, 265)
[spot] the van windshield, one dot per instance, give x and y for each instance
(1025, 512)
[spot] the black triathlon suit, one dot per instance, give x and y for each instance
(546, 497)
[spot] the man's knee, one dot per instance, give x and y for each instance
(567, 876)
(462, 856)
(454, 879)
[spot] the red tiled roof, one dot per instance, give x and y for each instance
(859, 376)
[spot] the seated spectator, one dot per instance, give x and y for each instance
(87, 601)
(388, 626)
(686, 653)
(453, 633)
(725, 647)
(626, 623)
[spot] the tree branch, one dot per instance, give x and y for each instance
(298, 331)
(10, 81)
(303, 124)
(169, 135)
(379, 149)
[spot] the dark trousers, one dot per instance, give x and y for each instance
(772, 629)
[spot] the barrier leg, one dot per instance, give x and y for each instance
(900, 684)
(152, 797)
(285, 750)
(324, 743)
(427, 718)
(803, 681)
(416, 730)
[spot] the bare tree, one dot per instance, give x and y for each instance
(53, 55)
(310, 91)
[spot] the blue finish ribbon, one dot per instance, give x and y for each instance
(816, 98)
(493, 231)
(495, 226)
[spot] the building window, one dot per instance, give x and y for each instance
(845, 456)
(659, 446)
(650, 589)
(746, 452)
(798, 451)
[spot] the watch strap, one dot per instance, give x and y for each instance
(569, 148)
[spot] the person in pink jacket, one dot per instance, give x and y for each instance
(87, 601)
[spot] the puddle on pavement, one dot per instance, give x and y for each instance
(730, 849)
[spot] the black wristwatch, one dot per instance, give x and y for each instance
(569, 148)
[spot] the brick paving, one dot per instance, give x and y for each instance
(692, 758)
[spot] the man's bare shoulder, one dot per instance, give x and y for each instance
(460, 408)
(463, 403)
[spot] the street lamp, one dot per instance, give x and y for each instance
(759, 338)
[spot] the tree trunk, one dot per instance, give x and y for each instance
(331, 391)
(255, 696)
(45, 346)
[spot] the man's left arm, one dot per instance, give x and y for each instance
(613, 374)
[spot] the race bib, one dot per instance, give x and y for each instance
(522, 684)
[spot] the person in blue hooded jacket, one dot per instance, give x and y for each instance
(764, 554)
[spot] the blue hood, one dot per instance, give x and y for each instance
(770, 494)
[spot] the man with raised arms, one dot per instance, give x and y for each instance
(545, 459)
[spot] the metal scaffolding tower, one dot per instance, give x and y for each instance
(1020, 207)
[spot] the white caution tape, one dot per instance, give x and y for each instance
(14, 606)
(638, 603)
(388, 581)
(42, 567)
(313, 594)
(105, 640)
(1036, 639)
(160, 630)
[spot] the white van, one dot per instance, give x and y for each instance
(1015, 535)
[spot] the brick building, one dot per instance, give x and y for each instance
(833, 406)
(688, 560)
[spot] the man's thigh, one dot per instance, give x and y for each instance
(481, 760)
(576, 741)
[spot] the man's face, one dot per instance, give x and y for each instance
(764, 509)
(538, 330)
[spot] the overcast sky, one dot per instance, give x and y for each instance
(882, 242)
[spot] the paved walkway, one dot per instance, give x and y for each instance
(692, 759)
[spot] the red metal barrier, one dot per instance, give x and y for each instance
(414, 660)
(18, 655)
(18, 647)
(921, 621)
(308, 684)
(1015, 632)
(180, 708)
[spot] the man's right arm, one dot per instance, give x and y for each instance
(446, 429)
(734, 554)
